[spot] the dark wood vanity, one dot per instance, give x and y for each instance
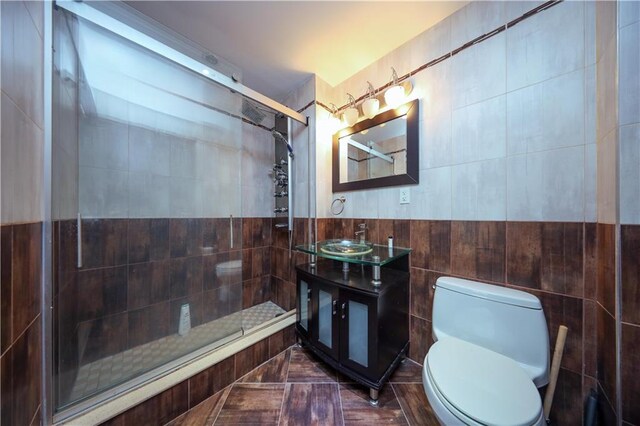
(359, 328)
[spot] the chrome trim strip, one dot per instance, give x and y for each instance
(103, 20)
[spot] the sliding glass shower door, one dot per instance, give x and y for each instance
(147, 199)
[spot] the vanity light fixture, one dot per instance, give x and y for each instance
(333, 121)
(371, 105)
(395, 95)
(351, 114)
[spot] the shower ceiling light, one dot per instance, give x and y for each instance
(371, 105)
(351, 114)
(395, 95)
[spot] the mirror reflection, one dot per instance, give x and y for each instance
(379, 151)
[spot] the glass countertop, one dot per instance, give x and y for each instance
(354, 251)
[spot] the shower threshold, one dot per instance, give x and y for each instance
(112, 370)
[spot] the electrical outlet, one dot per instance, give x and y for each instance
(405, 196)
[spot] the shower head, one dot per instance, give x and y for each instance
(280, 137)
(251, 112)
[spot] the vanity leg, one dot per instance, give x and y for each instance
(373, 397)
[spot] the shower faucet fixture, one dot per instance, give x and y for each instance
(280, 194)
(281, 210)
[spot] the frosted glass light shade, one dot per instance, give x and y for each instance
(394, 96)
(351, 116)
(333, 123)
(370, 107)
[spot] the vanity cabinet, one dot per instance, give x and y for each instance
(360, 329)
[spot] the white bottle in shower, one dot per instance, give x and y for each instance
(185, 320)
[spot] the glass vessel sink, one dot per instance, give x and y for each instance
(346, 247)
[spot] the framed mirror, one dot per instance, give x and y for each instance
(378, 152)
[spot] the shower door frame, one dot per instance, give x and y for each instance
(113, 25)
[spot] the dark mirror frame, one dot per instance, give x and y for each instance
(412, 110)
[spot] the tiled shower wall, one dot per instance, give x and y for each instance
(21, 152)
(136, 273)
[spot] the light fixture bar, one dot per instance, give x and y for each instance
(105, 21)
(369, 150)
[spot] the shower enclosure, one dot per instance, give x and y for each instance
(162, 205)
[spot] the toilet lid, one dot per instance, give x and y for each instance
(483, 385)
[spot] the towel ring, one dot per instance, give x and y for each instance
(342, 199)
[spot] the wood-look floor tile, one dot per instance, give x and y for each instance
(408, 371)
(205, 413)
(304, 368)
(252, 403)
(414, 404)
(311, 404)
(272, 371)
(357, 410)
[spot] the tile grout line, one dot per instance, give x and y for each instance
(284, 393)
(340, 399)
(399, 403)
(223, 402)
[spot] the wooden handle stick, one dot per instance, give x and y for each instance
(555, 369)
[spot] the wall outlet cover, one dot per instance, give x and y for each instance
(405, 196)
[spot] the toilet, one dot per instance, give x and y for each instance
(490, 355)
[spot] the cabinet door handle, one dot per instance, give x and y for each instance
(309, 295)
(344, 307)
(335, 307)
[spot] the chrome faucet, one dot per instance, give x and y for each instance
(362, 232)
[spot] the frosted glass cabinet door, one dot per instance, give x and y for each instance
(358, 330)
(325, 321)
(303, 305)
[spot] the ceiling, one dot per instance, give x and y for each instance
(279, 44)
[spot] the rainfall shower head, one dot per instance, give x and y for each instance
(251, 112)
(280, 137)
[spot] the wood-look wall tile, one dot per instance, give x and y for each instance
(148, 283)
(139, 240)
(216, 304)
(186, 276)
(247, 232)
(66, 245)
(356, 408)
(400, 229)
(262, 232)
(281, 340)
(196, 306)
(251, 357)
(247, 263)
(567, 400)
(431, 244)
(250, 403)
(606, 413)
(26, 269)
(211, 381)
(101, 292)
(590, 338)
(630, 240)
(159, 242)
(524, 250)
(562, 258)
(185, 237)
(6, 244)
(605, 292)
(414, 403)
(149, 323)
(104, 242)
(421, 292)
(20, 378)
(606, 347)
(420, 338)
(478, 250)
(210, 278)
(107, 336)
(590, 260)
(630, 373)
(158, 410)
(321, 229)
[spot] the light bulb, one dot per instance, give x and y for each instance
(394, 96)
(350, 116)
(370, 107)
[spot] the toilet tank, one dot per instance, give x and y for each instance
(504, 320)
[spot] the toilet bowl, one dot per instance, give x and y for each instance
(490, 355)
(470, 385)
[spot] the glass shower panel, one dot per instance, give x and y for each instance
(147, 207)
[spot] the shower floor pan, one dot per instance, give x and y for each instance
(111, 370)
